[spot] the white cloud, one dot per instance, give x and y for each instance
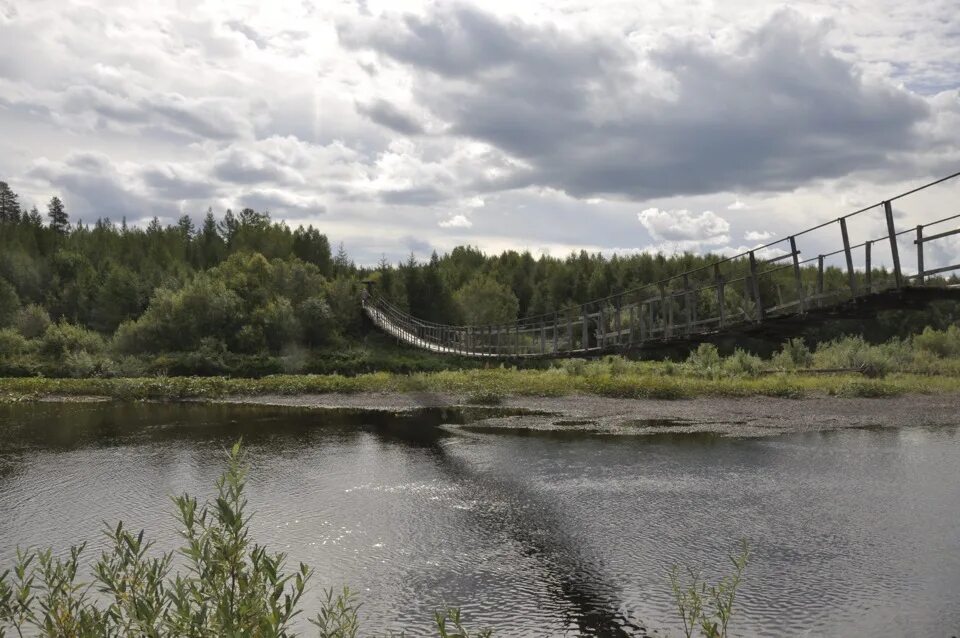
(737, 205)
(683, 226)
(457, 221)
(756, 235)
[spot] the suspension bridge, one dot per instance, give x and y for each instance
(908, 257)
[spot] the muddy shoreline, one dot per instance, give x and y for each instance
(739, 417)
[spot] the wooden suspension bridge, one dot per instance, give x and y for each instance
(769, 291)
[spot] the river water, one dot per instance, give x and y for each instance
(853, 532)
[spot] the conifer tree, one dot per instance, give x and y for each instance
(9, 206)
(59, 220)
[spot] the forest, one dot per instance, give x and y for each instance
(246, 295)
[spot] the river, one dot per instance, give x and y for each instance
(853, 532)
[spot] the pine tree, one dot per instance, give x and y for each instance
(185, 224)
(34, 217)
(9, 206)
(59, 220)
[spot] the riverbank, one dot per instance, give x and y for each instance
(490, 386)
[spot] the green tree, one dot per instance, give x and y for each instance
(484, 300)
(59, 220)
(9, 303)
(9, 204)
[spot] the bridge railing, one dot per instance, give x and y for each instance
(791, 275)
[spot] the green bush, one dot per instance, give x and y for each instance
(32, 321)
(9, 303)
(743, 364)
(942, 343)
(12, 343)
(61, 339)
(795, 353)
(704, 361)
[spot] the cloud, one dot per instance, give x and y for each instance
(754, 235)
(737, 205)
(770, 110)
(682, 225)
(386, 114)
(457, 221)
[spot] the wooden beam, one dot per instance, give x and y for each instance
(851, 275)
(919, 243)
(894, 250)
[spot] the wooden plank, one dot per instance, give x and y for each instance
(894, 249)
(868, 269)
(633, 323)
(543, 338)
(556, 333)
(687, 317)
(948, 233)
(919, 243)
(937, 271)
(851, 275)
(601, 329)
(569, 331)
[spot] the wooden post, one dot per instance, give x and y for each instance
(601, 328)
(868, 269)
(919, 244)
(617, 323)
(755, 282)
(585, 329)
(820, 276)
(516, 342)
(543, 338)
(653, 318)
(796, 274)
(633, 322)
(569, 331)
(669, 330)
(687, 317)
(851, 276)
(556, 329)
(499, 330)
(663, 311)
(894, 250)
(721, 306)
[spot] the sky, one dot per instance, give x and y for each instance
(399, 127)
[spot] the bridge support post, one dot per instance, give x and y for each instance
(687, 317)
(617, 322)
(919, 243)
(868, 268)
(543, 339)
(633, 323)
(585, 343)
(755, 285)
(851, 275)
(556, 336)
(721, 305)
(819, 280)
(796, 274)
(569, 330)
(894, 250)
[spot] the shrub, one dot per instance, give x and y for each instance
(12, 343)
(32, 321)
(704, 361)
(63, 338)
(854, 352)
(485, 397)
(742, 363)
(9, 303)
(797, 353)
(942, 343)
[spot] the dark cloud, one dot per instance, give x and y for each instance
(169, 182)
(386, 114)
(772, 113)
(91, 187)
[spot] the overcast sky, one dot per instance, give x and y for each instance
(549, 126)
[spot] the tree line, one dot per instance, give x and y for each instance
(244, 283)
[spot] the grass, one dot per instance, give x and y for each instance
(928, 363)
(485, 386)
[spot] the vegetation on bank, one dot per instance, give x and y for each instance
(243, 295)
(231, 586)
(926, 363)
